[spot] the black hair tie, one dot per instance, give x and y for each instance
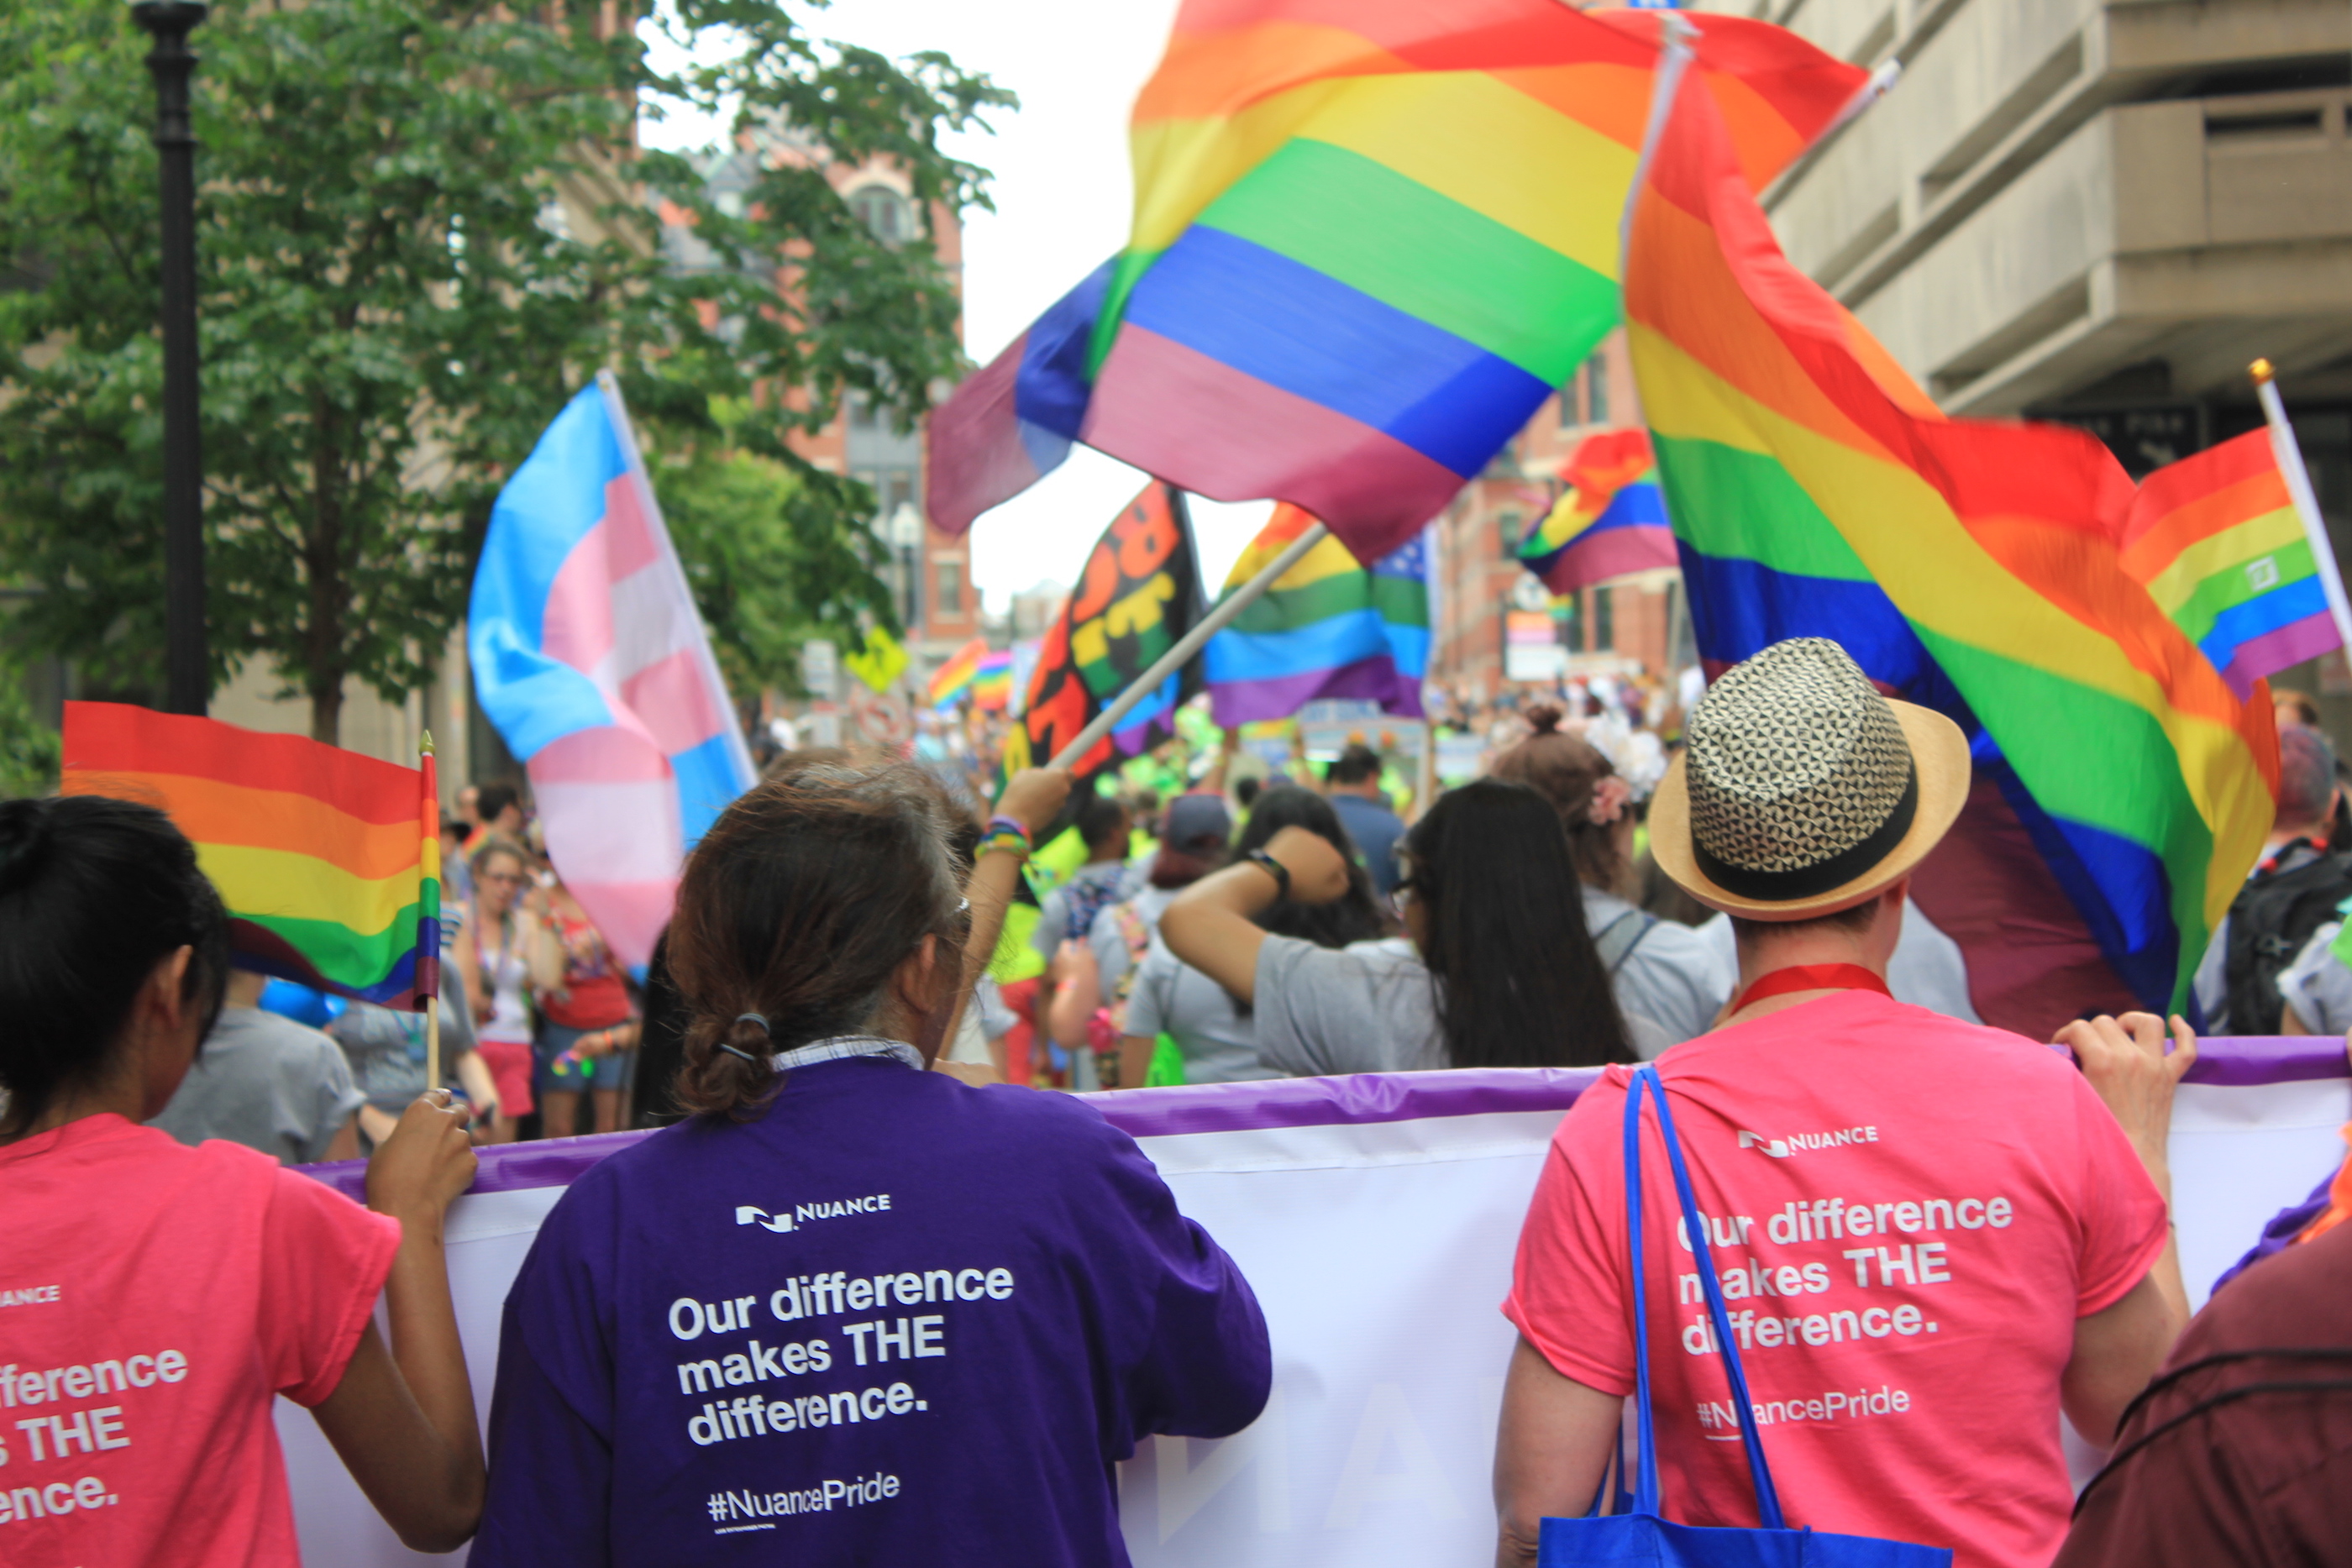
(738, 1051)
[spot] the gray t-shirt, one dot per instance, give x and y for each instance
(387, 1048)
(1218, 1040)
(1669, 976)
(2317, 986)
(1369, 1007)
(267, 1083)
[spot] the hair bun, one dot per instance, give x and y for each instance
(1545, 718)
(24, 842)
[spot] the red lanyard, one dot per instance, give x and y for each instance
(1812, 977)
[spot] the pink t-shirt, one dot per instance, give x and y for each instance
(1909, 1213)
(152, 1298)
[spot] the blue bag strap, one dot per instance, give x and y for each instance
(1645, 1448)
(1768, 1499)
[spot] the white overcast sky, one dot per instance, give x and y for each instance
(1061, 190)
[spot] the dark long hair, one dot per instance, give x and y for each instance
(1519, 981)
(1358, 915)
(798, 905)
(94, 892)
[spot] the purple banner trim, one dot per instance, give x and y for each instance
(2244, 1061)
(2225, 1060)
(1140, 1114)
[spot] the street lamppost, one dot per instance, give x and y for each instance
(187, 673)
(906, 534)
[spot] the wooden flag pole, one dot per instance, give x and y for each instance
(1175, 659)
(2307, 505)
(432, 998)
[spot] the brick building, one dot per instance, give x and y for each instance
(928, 571)
(1619, 627)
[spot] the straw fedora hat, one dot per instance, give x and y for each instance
(1801, 791)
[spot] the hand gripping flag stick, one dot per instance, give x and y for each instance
(1191, 642)
(2307, 505)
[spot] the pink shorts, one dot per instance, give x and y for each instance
(510, 1065)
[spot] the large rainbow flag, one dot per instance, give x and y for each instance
(1610, 522)
(2218, 542)
(2123, 788)
(1370, 237)
(330, 862)
(1328, 627)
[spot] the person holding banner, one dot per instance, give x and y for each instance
(866, 1311)
(1931, 1237)
(161, 1296)
(1499, 970)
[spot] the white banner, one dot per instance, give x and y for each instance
(1376, 1217)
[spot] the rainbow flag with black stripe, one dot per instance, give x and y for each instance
(1328, 627)
(1610, 522)
(330, 862)
(1369, 240)
(2123, 788)
(2220, 546)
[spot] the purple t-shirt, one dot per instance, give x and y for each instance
(894, 1320)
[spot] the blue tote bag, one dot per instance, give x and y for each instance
(1642, 1535)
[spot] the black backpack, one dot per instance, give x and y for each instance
(2271, 922)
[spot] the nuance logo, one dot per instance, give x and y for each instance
(801, 1214)
(1799, 1142)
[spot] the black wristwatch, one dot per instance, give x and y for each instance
(1280, 872)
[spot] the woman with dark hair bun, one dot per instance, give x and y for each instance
(1500, 972)
(884, 1314)
(189, 1287)
(1660, 969)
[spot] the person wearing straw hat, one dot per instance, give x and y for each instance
(1933, 1236)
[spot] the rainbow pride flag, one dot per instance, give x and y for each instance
(949, 681)
(2123, 788)
(1370, 239)
(1328, 627)
(2218, 543)
(330, 862)
(1611, 522)
(991, 688)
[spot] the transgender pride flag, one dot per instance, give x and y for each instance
(591, 659)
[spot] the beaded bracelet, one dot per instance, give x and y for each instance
(1004, 833)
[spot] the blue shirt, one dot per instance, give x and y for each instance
(893, 1320)
(1376, 830)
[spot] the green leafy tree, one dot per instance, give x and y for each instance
(422, 225)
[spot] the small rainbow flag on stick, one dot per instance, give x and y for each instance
(1610, 523)
(2226, 553)
(329, 862)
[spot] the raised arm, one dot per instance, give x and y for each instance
(403, 1420)
(1032, 798)
(1213, 924)
(2118, 1350)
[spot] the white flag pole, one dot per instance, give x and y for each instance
(2306, 504)
(1168, 663)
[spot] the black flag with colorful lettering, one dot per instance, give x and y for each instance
(1140, 593)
